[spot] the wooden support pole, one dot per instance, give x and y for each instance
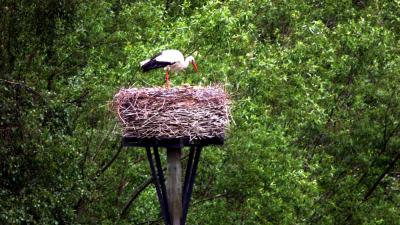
(174, 184)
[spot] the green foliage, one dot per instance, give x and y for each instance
(316, 109)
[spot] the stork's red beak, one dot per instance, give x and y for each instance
(194, 66)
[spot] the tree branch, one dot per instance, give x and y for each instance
(26, 87)
(210, 198)
(134, 195)
(380, 178)
(102, 170)
(386, 139)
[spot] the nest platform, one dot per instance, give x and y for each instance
(180, 116)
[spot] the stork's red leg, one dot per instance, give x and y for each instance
(167, 78)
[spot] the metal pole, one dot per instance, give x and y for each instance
(164, 211)
(161, 181)
(191, 183)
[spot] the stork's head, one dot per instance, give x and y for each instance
(191, 60)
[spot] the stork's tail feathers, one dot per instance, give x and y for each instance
(147, 65)
(144, 62)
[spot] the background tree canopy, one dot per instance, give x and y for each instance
(316, 105)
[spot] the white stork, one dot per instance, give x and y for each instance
(171, 60)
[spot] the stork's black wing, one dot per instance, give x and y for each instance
(154, 64)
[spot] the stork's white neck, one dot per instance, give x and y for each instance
(188, 60)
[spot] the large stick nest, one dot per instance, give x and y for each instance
(194, 112)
